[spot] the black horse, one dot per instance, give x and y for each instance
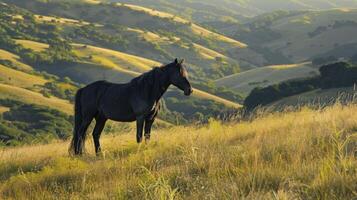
(137, 101)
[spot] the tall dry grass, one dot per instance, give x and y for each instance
(305, 154)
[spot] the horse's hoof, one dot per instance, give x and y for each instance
(139, 140)
(147, 140)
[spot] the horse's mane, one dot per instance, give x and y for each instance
(148, 78)
(152, 84)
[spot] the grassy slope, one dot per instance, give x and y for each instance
(5, 55)
(59, 20)
(295, 31)
(3, 109)
(246, 81)
(17, 78)
(36, 46)
(272, 157)
(289, 36)
(31, 97)
(123, 14)
(225, 9)
(22, 86)
(319, 97)
(195, 28)
(113, 58)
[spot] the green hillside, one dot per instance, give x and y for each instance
(235, 10)
(30, 97)
(134, 28)
(295, 36)
(318, 98)
(263, 76)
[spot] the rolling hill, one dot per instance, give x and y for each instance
(30, 97)
(140, 31)
(5, 55)
(294, 36)
(314, 33)
(233, 10)
(261, 77)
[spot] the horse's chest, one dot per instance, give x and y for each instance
(143, 108)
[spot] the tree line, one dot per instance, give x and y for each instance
(335, 75)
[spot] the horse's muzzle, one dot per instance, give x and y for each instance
(188, 91)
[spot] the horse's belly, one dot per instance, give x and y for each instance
(119, 113)
(128, 118)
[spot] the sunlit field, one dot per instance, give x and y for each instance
(300, 155)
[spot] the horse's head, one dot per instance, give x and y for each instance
(179, 77)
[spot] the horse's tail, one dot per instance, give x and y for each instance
(77, 142)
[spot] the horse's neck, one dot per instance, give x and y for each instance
(163, 85)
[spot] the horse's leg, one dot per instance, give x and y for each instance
(148, 125)
(99, 125)
(139, 128)
(82, 135)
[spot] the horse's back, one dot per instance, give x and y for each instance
(111, 100)
(94, 89)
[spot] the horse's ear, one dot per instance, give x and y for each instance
(182, 61)
(176, 61)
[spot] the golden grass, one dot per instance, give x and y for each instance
(288, 66)
(36, 46)
(17, 17)
(156, 13)
(66, 86)
(60, 20)
(195, 28)
(205, 95)
(207, 33)
(126, 61)
(3, 109)
(263, 76)
(345, 10)
(27, 96)
(319, 97)
(92, 1)
(153, 37)
(300, 155)
(19, 79)
(208, 53)
(103, 61)
(5, 55)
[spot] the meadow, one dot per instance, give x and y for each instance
(304, 154)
